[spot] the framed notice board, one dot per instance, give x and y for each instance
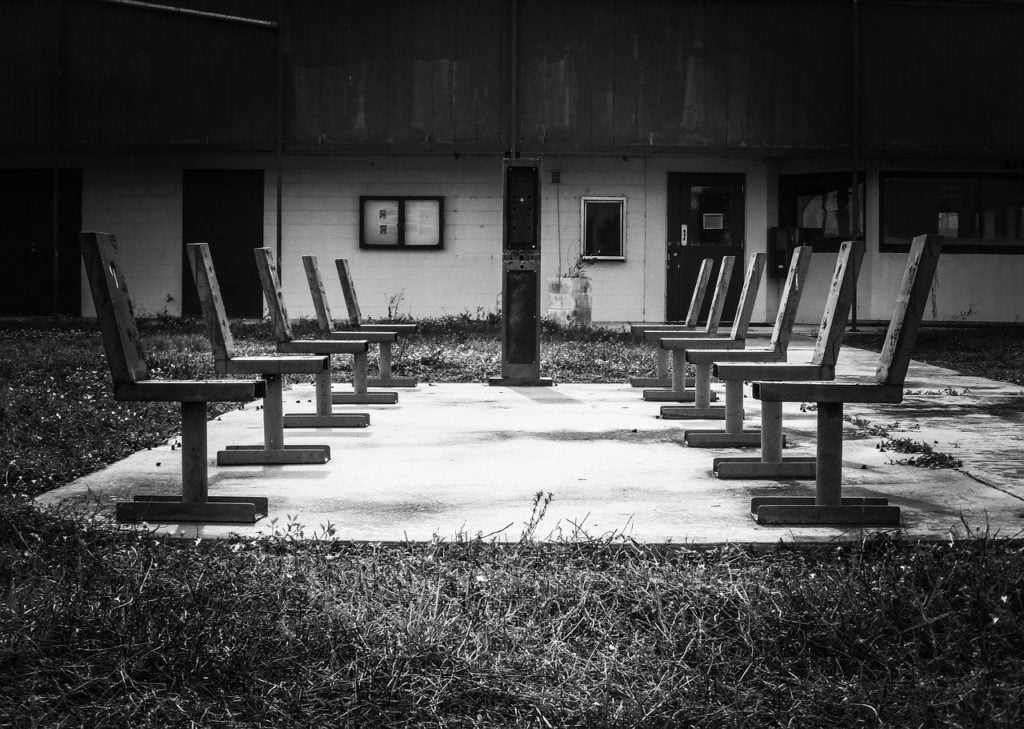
(401, 223)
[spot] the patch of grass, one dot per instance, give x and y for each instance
(123, 629)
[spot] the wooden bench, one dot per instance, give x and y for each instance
(271, 368)
(131, 382)
(828, 506)
(661, 375)
(327, 332)
(771, 463)
(324, 417)
(703, 358)
(678, 392)
(356, 324)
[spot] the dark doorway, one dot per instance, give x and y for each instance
(224, 208)
(705, 220)
(31, 270)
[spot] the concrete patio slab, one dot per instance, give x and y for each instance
(468, 459)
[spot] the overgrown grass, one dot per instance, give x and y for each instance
(98, 629)
(120, 628)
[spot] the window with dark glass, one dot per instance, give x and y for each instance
(401, 222)
(821, 209)
(984, 213)
(603, 227)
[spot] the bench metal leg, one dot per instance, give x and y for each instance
(702, 397)
(771, 464)
(387, 379)
(325, 416)
(359, 395)
(273, 451)
(828, 507)
(194, 504)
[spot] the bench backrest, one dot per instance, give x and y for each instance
(205, 276)
(909, 308)
(272, 293)
(790, 300)
(700, 291)
(319, 294)
(355, 316)
(838, 303)
(745, 308)
(721, 289)
(113, 308)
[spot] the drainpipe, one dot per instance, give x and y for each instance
(279, 151)
(513, 127)
(855, 201)
(55, 181)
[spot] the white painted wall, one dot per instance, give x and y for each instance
(142, 206)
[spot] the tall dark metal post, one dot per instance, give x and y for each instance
(855, 201)
(279, 150)
(55, 183)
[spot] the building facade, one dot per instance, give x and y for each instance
(666, 131)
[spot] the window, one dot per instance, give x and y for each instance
(984, 213)
(603, 229)
(820, 208)
(401, 222)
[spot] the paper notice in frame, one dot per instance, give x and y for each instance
(422, 222)
(380, 222)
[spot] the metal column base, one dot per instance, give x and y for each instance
(673, 396)
(797, 467)
(520, 381)
(171, 509)
(391, 382)
(852, 511)
(692, 412)
(664, 382)
(348, 420)
(364, 398)
(721, 439)
(258, 455)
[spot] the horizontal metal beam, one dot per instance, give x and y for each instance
(139, 5)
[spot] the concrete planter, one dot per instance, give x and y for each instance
(570, 300)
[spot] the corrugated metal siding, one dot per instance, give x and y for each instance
(28, 39)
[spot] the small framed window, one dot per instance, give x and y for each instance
(603, 228)
(401, 223)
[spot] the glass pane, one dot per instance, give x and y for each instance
(380, 222)
(422, 222)
(603, 228)
(709, 213)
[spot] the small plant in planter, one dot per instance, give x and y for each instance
(570, 296)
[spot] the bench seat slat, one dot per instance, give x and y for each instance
(190, 390)
(657, 335)
(714, 343)
(828, 392)
(400, 329)
(274, 365)
(779, 371)
(323, 346)
(700, 356)
(352, 336)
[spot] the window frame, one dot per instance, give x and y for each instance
(400, 201)
(584, 200)
(1004, 246)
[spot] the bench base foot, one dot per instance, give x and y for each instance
(171, 509)
(347, 420)
(797, 467)
(721, 439)
(692, 412)
(364, 398)
(391, 382)
(673, 396)
(520, 382)
(852, 511)
(257, 455)
(662, 382)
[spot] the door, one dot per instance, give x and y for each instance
(705, 220)
(32, 266)
(224, 208)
